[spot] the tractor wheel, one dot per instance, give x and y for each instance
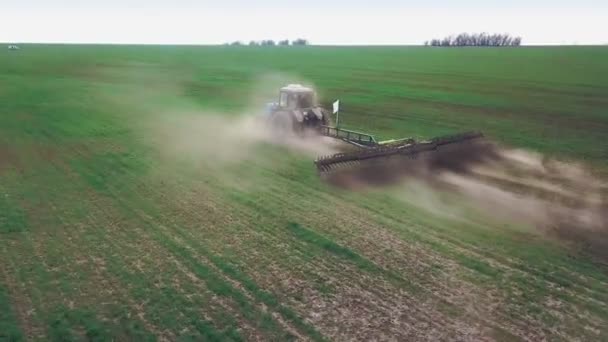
(283, 124)
(326, 117)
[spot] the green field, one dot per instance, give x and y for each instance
(109, 231)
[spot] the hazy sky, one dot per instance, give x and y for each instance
(322, 22)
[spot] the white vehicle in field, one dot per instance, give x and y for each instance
(13, 47)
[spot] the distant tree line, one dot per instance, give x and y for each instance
(270, 42)
(476, 39)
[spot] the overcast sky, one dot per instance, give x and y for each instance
(322, 22)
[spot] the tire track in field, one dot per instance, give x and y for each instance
(522, 324)
(205, 272)
(458, 294)
(282, 311)
(20, 296)
(158, 282)
(35, 282)
(117, 197)
(283, 273)
(501, 262)
(75, 265)
(35, 298)
(199, 283)
(555, 279)
(466, 250)
(199, 247)
(248, 288)
(378, 296)
(426, 295)
(105, 243)
(301, 218)
(47, 277)
(105, 217)
(264, 308)
(545, 310)
(17, 304)
(317, 266)
(483, 252)
(209, 263)
(100, 277)
(478, 308)
(173, 247)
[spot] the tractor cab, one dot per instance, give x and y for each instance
(296, 96)
(297, 110)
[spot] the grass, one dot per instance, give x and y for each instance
(105, 233)
(9, 326)
(347, 254)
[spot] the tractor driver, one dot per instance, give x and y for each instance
(292, 101)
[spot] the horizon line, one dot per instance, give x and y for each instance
(243, 44)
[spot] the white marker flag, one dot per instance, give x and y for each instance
(336, 106)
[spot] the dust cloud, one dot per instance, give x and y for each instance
(220, 145)
(222, 140)
(560, 199)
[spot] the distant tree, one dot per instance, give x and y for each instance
(476, 39)
(299, 41)
(516, 41)
(268, 42)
